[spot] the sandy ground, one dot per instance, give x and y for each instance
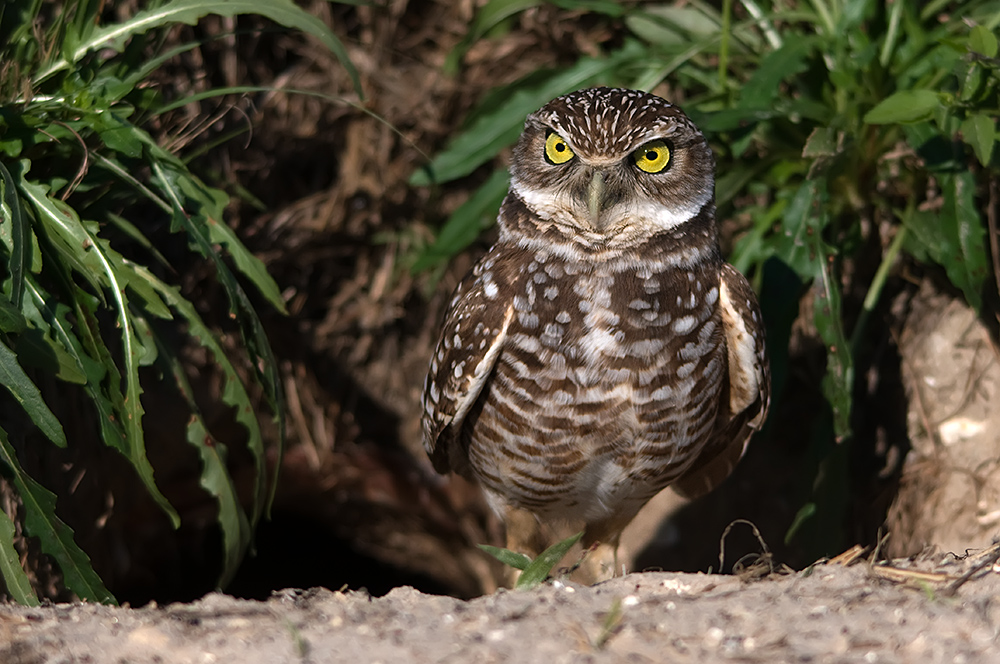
(940, 610)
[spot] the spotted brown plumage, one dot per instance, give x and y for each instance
(601, 350)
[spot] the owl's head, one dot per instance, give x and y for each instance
(604, 162)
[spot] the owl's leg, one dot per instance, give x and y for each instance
(524, 535)
(601, 541)
(600, 563)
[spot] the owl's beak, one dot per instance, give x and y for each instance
(595, 198)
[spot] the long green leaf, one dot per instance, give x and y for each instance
(905, 106)
(838, 381)
(11, 571)
(216, 480)
(191, 193)
(507, 557)
(19, 231)
(48, 316)
(802, 247)
(63, 220)
(498, 128)
(763, 87)
(103, 376)
(257, 345)
(539, 569)
(215, 477)
(12, 377)
(56, 537)
(283, 12)
(966, 263)
(467, 222)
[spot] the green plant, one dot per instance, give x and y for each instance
(838, 125)
(84, 300)
(533, 572)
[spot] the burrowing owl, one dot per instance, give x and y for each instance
(602, 350)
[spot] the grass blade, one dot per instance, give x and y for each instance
(498, 128)
(56, 537)
(507, 557)
(467, 222)
(283, 12)
(539, 569)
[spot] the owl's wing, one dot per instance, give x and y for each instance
(473, 335)
(748, 391)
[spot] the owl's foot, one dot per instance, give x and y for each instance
(600, 562)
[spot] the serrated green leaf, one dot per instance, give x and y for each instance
(12, 377)
(249, 265)
(979, 131)
(103, 377)
(539, 569)
(467, 222)
(499, 127)
(150, 300)
(822, 142)
(507, 557)
(802, 247)
(255, 340)
(234, 394)
(965, 259)
(116, 36)
(11, 572)
(67, 233)
(55, 537)
(117, 134)
(763, 87)
(905, 106)
(203, 208)
(798, 224)
(216, 481)
(36, 350)
(104, 265)
(983, 41)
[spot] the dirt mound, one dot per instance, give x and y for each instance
(927, 612)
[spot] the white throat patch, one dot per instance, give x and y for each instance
(653, 217)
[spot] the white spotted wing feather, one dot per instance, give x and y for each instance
(749, 386)
(472, 337)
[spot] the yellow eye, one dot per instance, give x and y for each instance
(652, 157)
(557, 151)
